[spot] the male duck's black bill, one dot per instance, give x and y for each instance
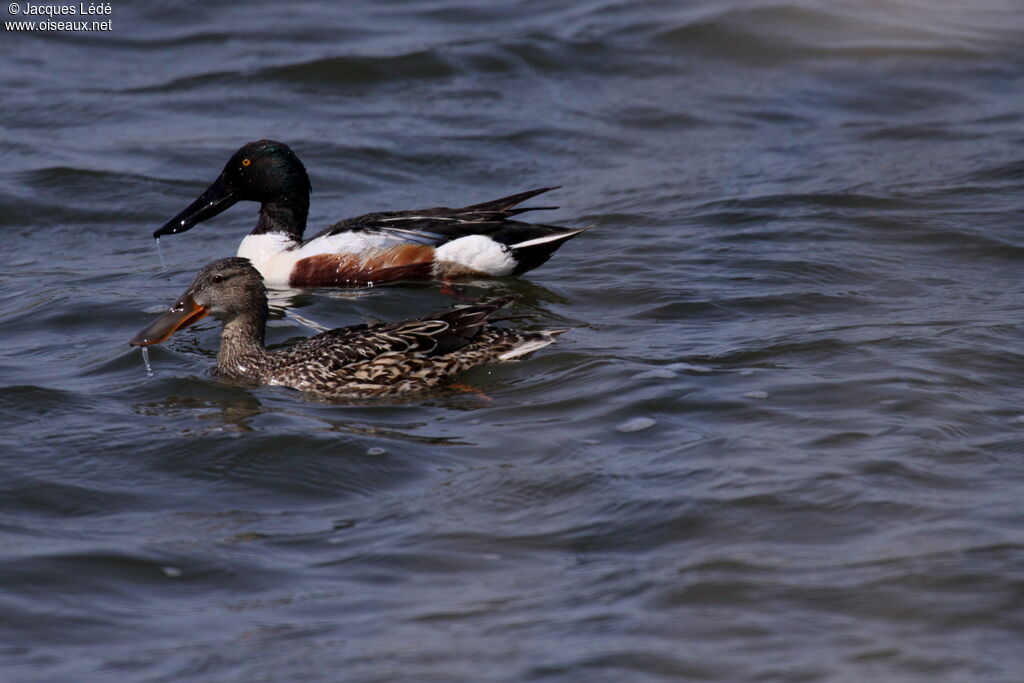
(181, 315)
(215, 199)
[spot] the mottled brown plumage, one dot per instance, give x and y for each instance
(362, 360)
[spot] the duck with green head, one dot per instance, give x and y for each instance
(480, 240)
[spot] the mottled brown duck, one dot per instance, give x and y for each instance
(374, 359)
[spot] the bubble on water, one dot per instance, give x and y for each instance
(376, 451)
(756, 394)
(636, 424)
(689, 367)
(171, 572)
(663, 373)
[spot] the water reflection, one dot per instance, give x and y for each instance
(239, 411)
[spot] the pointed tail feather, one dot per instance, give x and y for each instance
(557, 238)
(535, 252)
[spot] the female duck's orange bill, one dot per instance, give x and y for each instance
(181, 315)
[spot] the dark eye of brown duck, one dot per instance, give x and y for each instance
(217, 279)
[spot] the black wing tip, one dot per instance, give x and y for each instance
(506, 203)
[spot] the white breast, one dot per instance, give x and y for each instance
(269, 254)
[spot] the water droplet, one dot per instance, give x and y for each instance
(376, 451)
(171, 572)
(636, 424)
(756, 394)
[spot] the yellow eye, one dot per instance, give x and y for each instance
(246, 162)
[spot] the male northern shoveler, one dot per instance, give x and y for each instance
(375, 359)
(477, 240)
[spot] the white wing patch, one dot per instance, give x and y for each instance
(347, 243)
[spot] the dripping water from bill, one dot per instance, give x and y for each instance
(145, 359)
(160, 253)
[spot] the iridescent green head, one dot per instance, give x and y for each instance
(264, 171)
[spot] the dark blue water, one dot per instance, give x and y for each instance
(783, 442)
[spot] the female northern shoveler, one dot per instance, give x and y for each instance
(363, 360)
(477, 240)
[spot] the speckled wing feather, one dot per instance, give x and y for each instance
(432, 335)
(365, 342)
